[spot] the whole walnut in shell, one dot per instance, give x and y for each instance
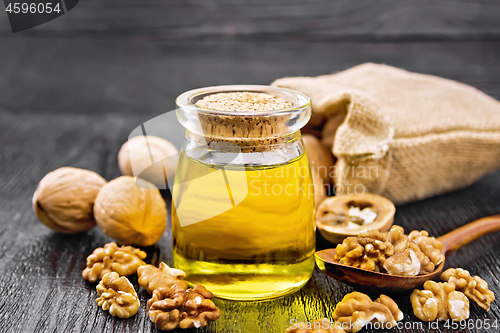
(130, 212)
(64, 199)
(150, 157)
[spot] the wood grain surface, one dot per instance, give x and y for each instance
(278, 20)
(41, 285)
(73, 89)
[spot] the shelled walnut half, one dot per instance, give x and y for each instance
(426, 265)
(117, 295)
(391, 252)
(405, 263)
(366, 252)
(392, 306)
(398, 239)
(172, 307)
(357, 309)
(152, 278)
(123, 260)
(430, 246)
(473, 287)
(439, 301)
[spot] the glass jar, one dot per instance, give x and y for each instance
(243, 197)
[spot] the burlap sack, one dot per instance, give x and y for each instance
(406, 136)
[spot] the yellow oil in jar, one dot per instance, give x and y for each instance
(258, 248)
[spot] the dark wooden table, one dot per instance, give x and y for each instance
(73, 89)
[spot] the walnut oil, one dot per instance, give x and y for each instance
(243, 197)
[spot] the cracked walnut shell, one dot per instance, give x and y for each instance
(365, 253)
(172, 307)
(131, 212)
(439, 301)
(64, 199)
(344, 216)
(152, 278)
(117, 295)
(123, 260)
(473, 287)
(357, 309)
(319, 326)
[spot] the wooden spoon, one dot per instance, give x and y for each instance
(387, 283)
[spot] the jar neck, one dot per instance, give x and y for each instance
(256, 152)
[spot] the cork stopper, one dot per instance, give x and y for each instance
(243, 101)
(255, 119)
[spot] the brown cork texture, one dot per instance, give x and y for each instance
(251, 133)
(421, 135)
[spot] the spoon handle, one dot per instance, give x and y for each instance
(454, 240)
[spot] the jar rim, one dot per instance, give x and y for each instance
(300, 100)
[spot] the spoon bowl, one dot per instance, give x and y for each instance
(387, 283)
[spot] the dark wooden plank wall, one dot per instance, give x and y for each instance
(72, 90)
(280, 20)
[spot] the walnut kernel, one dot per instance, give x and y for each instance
(152, 278)
(356, 309)
(374, 234)
(426, 265)
(473, 287)
(365, 252)
(430, 246)
(392, 306)
(117, 295)
(172, 307)
(439, 301)
(123, 260)
(458, 306)
(398, 238)
(405, 263)
(425, 304)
